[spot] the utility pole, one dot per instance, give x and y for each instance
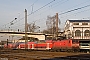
(25, 27)
(56, 26)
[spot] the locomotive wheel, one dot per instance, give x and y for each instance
(76, 50)
(51, 50)
(70, 50)
(57, 50)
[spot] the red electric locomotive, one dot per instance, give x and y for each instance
(66, 45)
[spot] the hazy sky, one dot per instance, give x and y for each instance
(11, 9)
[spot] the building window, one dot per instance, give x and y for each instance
(86, 33)
(75, 23)
(84, 23)
(77, 33)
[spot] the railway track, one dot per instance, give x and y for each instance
(31, 55)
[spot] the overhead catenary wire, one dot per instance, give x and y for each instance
(12, 22)
(77, 13)
(67, 1)
(42, 7)
(38, 9)
(74, 6)
(29, 14)
(30, 6)
(78, 8)
(62, 3)
(59, 2)
(77, 5)
(74, 9)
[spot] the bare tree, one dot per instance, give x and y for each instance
(51, 24)
(32, 27)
